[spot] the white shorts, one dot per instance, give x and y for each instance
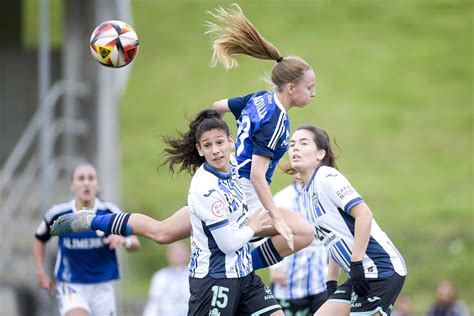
(253, 202)
(97, 299)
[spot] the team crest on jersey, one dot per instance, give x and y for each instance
(217, 208)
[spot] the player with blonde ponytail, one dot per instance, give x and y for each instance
(263, 125)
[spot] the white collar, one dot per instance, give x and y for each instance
(278, 103)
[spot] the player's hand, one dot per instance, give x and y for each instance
(278, 276)
(358, 280)
(46, 283)
(259, 221)
(114, 241)
(283, 229)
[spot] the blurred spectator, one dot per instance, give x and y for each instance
(169, 289)
(403, 306)
(446, 303)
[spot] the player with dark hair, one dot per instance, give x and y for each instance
(345, 225)
(221, 277)
(86, 262)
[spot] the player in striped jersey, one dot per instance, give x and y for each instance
(344, 223)
(299, 281)
(86, 262)
(221, 277)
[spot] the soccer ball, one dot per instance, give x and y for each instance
(114, 43)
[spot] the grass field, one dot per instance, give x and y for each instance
(394, 88)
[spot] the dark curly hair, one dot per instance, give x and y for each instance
(182, 149)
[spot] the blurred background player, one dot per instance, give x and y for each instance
(345, 224)
(169, 289)
(299, 281)
(446, 302)
(86, 262)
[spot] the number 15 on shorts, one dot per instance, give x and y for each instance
(219, 297)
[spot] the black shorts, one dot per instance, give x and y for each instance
(381, 297)
(305, 306)
(227, 297)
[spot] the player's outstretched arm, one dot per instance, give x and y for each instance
(172, 229)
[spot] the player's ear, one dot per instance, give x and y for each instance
(199, 150)
(231, 141)
(320, 154)
(290, 88)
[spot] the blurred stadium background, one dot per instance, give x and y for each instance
(394, 88)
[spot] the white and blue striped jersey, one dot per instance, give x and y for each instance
(328, 197)
(263, 129)
(215, 200)
(306, 269)
(82, 257)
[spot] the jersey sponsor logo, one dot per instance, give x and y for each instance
(217, 208)
(344, 191)
(331, 175)
(214, 312)
(83, 243)
(260, 106)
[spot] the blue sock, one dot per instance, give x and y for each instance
(265, 255)
(112, 224)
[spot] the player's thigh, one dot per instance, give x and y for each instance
(71, 299)
(214, 296)
(334, 308)
(253, 202)
(101, 298)
(257, 299)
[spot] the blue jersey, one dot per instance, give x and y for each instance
(82, 257)
(263, 129)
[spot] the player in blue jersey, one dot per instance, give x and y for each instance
(86, 262)
(345, 224)
(263, 126)
(221, 277)
(299, 281)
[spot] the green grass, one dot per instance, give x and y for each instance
(394, 88)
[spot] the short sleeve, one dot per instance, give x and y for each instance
(42, 232)
(340, 191)
(237, 104)
(268, 133)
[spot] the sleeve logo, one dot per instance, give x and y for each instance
(217, 208)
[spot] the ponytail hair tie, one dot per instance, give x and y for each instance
(279, 59)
